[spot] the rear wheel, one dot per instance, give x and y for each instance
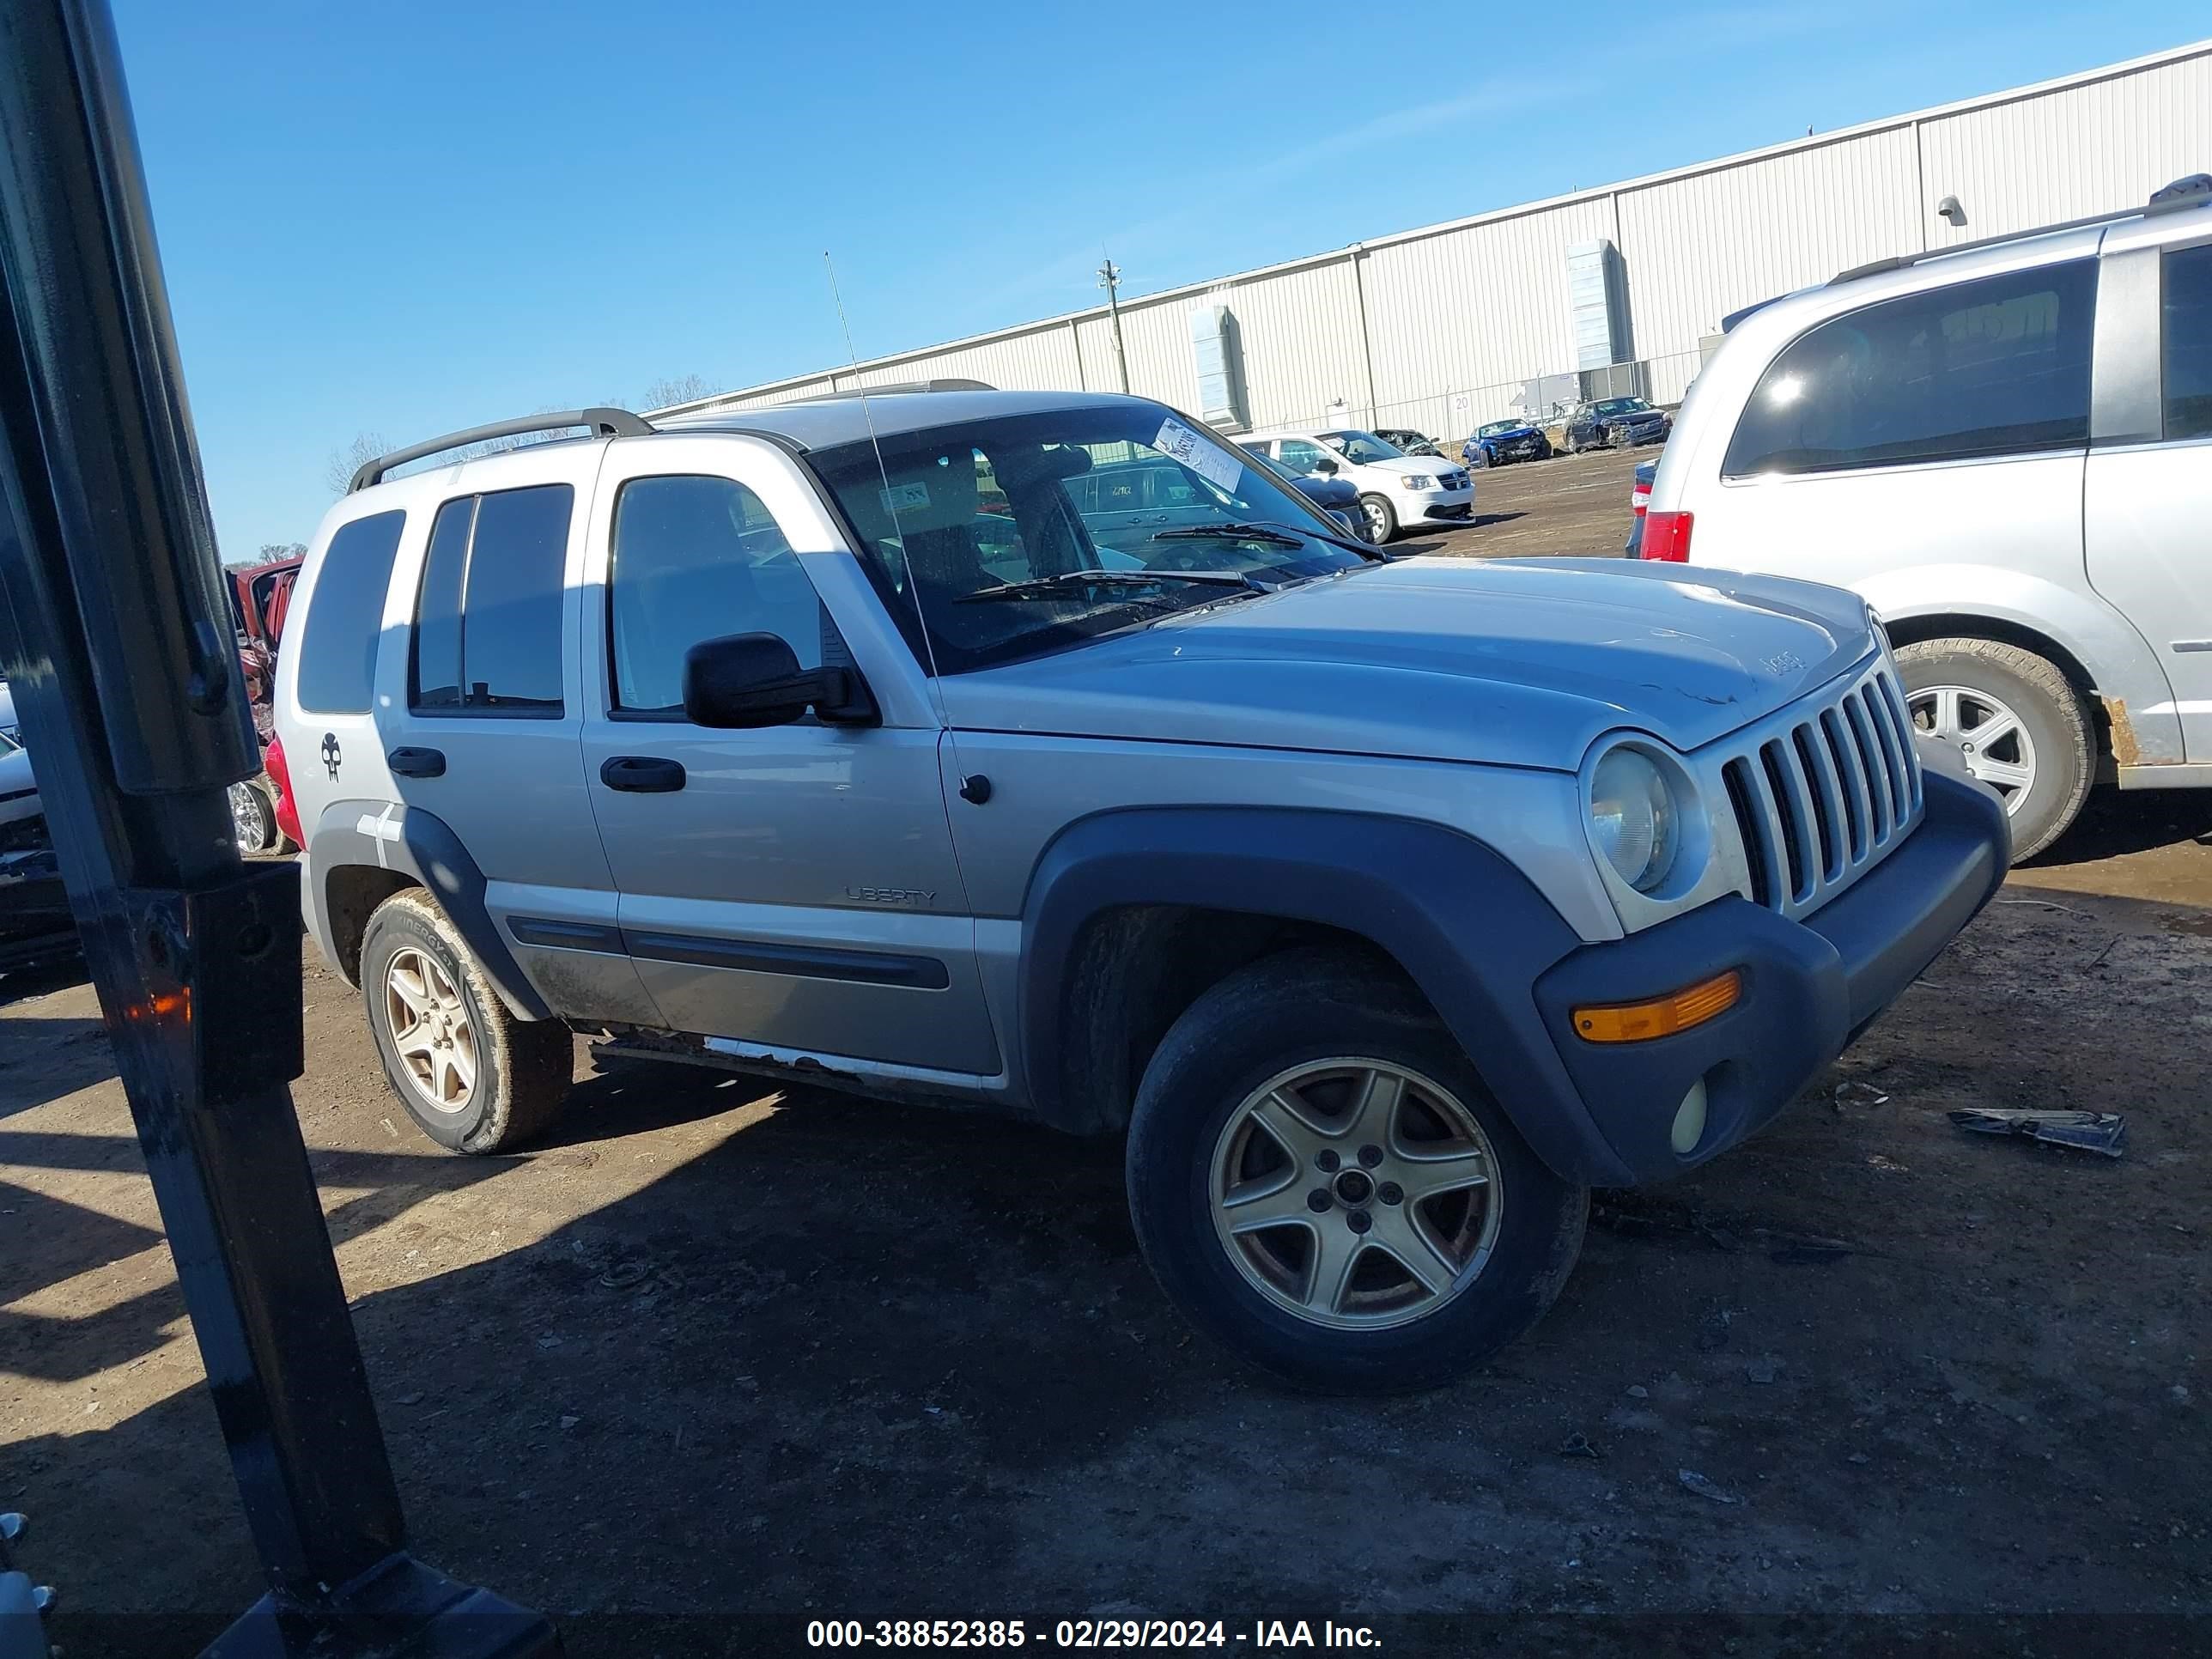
(1382, 518)
(2018, 723)
(1322, 1183)
(473, 1077)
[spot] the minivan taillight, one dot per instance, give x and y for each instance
(1666, 535)
(288, 814)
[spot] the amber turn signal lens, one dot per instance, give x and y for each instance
(1639, 1022)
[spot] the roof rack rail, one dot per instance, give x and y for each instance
(896, 388)
(2178, 197)
(604, 423)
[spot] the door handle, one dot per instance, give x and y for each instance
(417, 763)
(641, 775)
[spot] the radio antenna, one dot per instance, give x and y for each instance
(891, 506)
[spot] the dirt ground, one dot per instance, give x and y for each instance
(1570, 506)
(725, 1362)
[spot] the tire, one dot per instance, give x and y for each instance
(1543, 450)
(1382, 518)
(1946, 679)
(1480, 458)
(1299, 1016)
(521, 1069)
(252, 819)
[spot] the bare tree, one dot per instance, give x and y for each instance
(338, 471)
(666, 393)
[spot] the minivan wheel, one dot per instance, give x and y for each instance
(473, 1077)
(2015, 720)
(1382, 518)
(1322, 1182)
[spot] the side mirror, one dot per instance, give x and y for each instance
(1326, 468)
(742, 681)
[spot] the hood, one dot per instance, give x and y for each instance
(1421, 463)
(19, 790)
(1633, 417)
(1327, 491)
(1510, 435)
(1508, 662)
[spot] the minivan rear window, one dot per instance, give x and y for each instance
(2187, 342)
(1995, 366)
(338, 648)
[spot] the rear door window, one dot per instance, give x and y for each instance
(1995, 367)
(2186, 341)
(338, 646)
(488, 615)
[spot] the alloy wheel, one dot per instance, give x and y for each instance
(249, 818)
(430, 1031)
(1987, 733)
(1355, 1193)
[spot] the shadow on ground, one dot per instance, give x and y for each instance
(850, 1358)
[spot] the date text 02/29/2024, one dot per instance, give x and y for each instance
(1261, 1636)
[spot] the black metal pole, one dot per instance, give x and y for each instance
(115, 644)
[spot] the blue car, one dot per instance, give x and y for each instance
(1501, 441)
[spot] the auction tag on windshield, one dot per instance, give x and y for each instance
(905, 498)
(1210, 461)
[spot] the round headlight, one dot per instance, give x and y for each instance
(1632, 817)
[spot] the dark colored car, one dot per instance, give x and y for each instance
(34, 913)
(1639, 498)
(1338, 497)
(1413, 442)
(1616, 423)
(1500, 441)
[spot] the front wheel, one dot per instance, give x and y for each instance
(2015, 720)
(1480, 458)
(1322, 1183)
(252, 820)
(1382, 518)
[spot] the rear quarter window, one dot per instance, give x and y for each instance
(345, 617)
(1995, 366)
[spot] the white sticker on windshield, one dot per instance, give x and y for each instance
(1210, 461)
(905, 498)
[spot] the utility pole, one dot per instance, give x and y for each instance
(1109, 278)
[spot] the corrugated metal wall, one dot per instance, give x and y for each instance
(1438, 328)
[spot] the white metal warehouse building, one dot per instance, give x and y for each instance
(1444, 326)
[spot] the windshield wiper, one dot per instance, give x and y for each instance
(1039, 587)
(1231, 532)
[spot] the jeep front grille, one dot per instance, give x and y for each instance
(1823, 791)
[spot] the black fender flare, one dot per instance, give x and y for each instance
(426, 850)
(1471, 931)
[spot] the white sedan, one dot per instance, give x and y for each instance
(1396, 489)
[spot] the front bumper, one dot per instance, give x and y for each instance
(35, 923)
(1436, 506)
(1810, 988)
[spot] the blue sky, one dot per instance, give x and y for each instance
(411, 218)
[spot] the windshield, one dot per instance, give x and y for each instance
(1497, 427)
(1621, 405)
(1129, 490)
(1361, 447)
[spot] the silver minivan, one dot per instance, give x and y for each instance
(2007, 449)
